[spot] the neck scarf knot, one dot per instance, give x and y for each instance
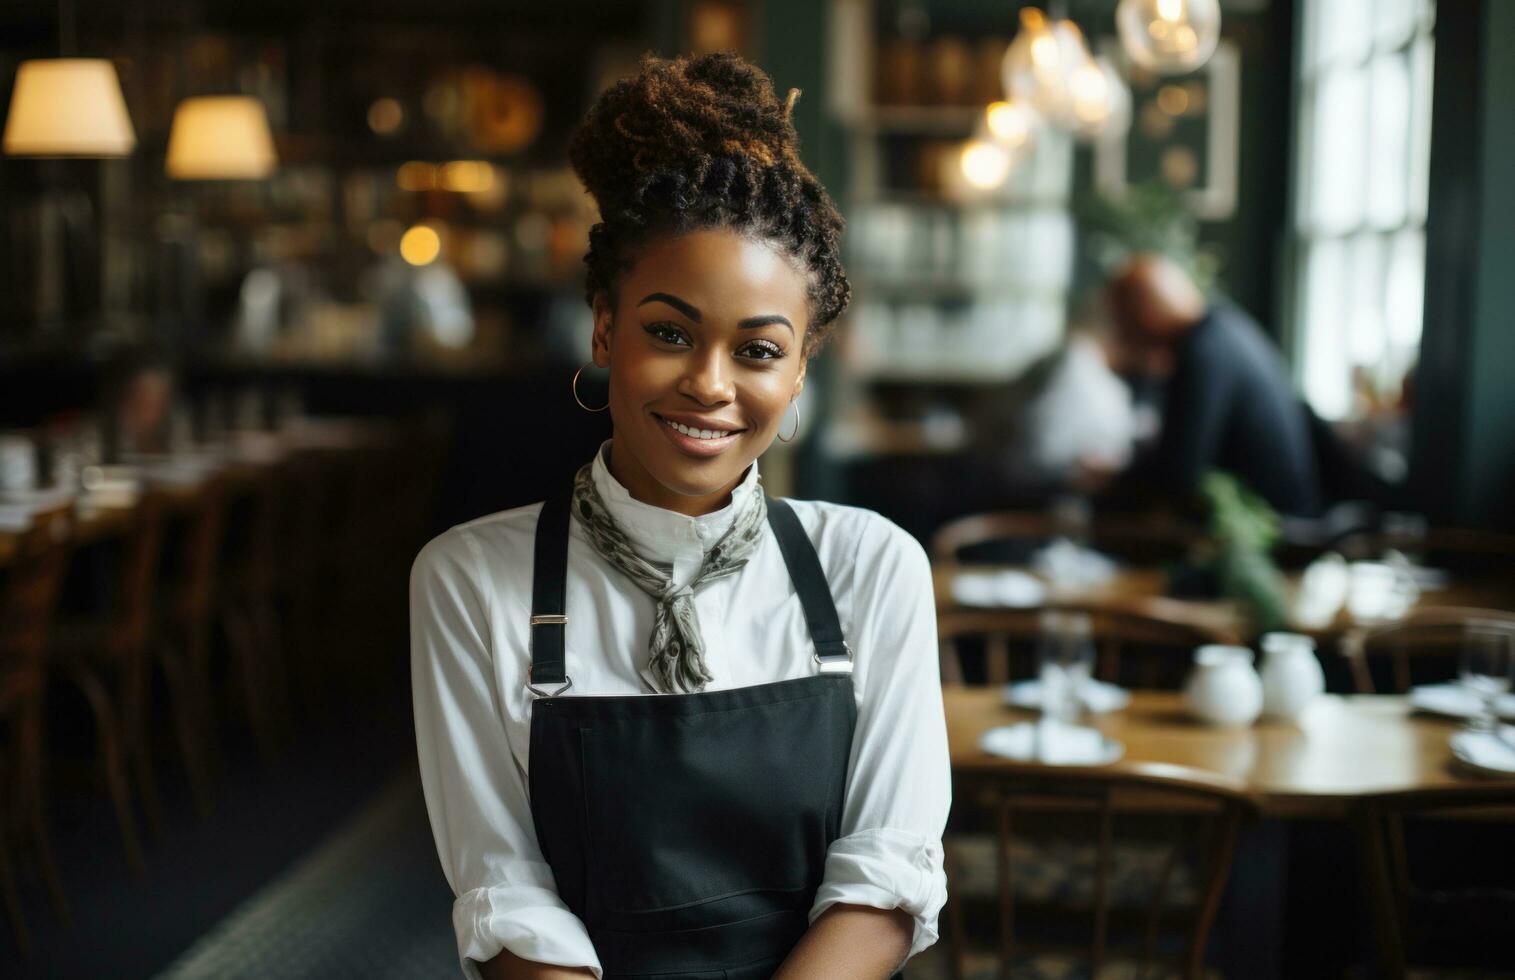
(676, 648)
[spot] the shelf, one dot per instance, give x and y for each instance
(946, 120)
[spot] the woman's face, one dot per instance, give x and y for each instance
(705, 350)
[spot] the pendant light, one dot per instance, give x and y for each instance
(1040, 63)
(1169, 37)
(1012, 124)
(66, 106)
(1099, 102)
(220, 137)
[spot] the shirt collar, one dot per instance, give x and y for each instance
(663, 535)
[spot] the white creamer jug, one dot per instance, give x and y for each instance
(1223, 689)
(1291, 675)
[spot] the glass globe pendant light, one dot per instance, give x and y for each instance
(1039, 64)
(1099, 101)
(1012, 124)
(1169, 37)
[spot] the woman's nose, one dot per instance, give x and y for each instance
(709, 379)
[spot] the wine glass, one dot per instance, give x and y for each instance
(1065, 660)
(1488, 664)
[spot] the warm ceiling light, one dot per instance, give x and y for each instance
(420, 245)
(1012, 123)
(467, 176)
(68, 107)
(222, 137)
(985, 164)
(417, 175)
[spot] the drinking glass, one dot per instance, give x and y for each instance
(1488, 663)
(1065, 660)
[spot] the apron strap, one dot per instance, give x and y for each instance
(549, 587)
(831, 650)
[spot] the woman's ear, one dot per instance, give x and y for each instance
(799, 382)
(600, 341)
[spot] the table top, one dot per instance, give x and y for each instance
(1133, 588)
(1345, 747)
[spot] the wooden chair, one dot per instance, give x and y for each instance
(1430, 635)
(1162, 632)
(187, 614)
(28, 596)
(1381, 824)
(107, 656)
(1203, 813)
(1153, 537)
(246, 606)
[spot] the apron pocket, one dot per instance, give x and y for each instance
(708, 806)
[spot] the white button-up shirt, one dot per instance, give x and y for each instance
(470, 602)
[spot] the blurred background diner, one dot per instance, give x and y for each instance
(1180, 337)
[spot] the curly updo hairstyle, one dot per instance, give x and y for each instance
(695, 143)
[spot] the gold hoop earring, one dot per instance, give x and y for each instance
(796, 425)
(574, 387)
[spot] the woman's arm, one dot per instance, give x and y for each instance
(508, 966)
(850, 942)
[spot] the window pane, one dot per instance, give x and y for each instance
(1389, 132)
(1327, 370)
(1338, 145)
(1420, 128)
(1404, 298)
(1341, 32)
(1365, 325)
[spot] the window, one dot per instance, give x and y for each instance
(1358, 227)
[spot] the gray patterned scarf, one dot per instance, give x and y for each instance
(677, 649)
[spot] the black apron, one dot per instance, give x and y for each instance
(689, 832)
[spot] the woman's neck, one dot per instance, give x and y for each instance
(645, 488)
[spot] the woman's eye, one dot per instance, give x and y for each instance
(667, 333)
(762, 350)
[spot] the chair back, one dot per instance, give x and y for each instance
(1485, 810)
(1152, 537)
(1431, 635)
(1150, 640)
(29, 590)
(1203, 813)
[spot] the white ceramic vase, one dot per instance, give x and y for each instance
(1223, 689)
(1291, 675)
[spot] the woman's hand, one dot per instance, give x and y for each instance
(508, 966)
(853, 942)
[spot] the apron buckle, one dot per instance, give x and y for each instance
(835, 665)
(567, 683)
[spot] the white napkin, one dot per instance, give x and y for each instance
(1051, 742)
(1067, 564)
(1009, 588)
(1097, 696)
(1456, 700)
(1322, 592)
(1485, 750)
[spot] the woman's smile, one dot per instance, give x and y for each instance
(699, 437)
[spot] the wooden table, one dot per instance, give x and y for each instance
(1347, 746)
(1136, 589)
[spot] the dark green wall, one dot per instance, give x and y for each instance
(1463, 464)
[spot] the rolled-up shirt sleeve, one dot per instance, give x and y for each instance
(475, 791)
(889, 854)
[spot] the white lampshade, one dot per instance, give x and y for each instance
(222, 137)
(68, 107)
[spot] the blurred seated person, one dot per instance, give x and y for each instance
(1229, 403)
(139, 393)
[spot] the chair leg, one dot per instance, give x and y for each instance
(111, 760)
(8, 893)
(245, 653)
(1375, 862)
(185, 722)
(34, 810)
(137, 736)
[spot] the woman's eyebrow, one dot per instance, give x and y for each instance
(763, 321)
(673, 301)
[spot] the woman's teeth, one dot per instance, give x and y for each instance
(697, 433)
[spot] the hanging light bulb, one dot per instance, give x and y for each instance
(984, 163)
(1100, 102)
(1169, 37)
(1011, 124)
(1039, 64)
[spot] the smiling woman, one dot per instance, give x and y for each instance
(777, 811)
